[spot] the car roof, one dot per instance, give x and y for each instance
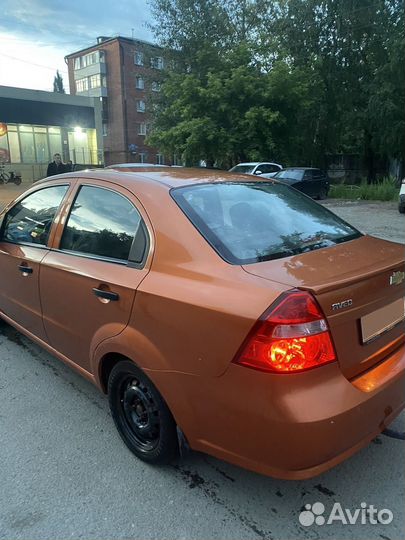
(133, 165)
(253, 163)
(250, 163)
(170, 177)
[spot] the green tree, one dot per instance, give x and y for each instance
(58, 83)
(290, 80)
(354, 48)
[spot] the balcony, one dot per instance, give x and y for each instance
(94, 69)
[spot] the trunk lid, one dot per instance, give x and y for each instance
(351, 281)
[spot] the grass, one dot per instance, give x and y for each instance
(385, 190)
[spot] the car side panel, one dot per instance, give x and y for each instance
(19, 297)
(75, 319)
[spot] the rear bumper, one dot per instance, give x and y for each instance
(294, 426)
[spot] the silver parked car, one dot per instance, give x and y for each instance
(257, 167)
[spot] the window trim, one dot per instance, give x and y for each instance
(128, 262)
(139, 108)
(141, 57)
(141, 80)
(54, 223)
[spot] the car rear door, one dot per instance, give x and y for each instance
(89, 279)
(27, 230)
(318, 182)
(307, 185)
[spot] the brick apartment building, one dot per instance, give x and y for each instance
(124, 74)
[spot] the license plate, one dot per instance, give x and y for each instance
(382, 320)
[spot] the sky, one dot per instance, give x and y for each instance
(36, 35)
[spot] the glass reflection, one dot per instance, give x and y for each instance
(260, 221)
(101, 223)
(31, 219)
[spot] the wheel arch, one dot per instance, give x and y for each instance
(106, 365)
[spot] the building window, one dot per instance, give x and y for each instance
(105, 129)
(156, 62)
(27, 144)
(33, 144)
(14, 146)
(95, 81)
(82, 85)
(143, 157)
(140, 105)
(140, 83)
(55, 140)
(142, 128)
(89, 59)
(160, 159)
(41, 144)
(156, 86)
(138, 58)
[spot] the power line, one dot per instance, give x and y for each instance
(42, 66)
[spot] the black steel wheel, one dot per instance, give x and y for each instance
(141, 415)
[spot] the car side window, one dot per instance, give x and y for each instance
(308, 175)
(269, 168)
(30, 220)
(105, 224)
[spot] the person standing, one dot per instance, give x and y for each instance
(56, 166)
(69, 167)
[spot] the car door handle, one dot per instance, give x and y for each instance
(106, 295)
(25, 269)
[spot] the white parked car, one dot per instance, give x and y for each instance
(257, 167)
(401, 204)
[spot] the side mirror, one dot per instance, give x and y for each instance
(258, 172)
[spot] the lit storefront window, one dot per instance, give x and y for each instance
(27, 144)
(55, 141)
(83, 145)
(41, 145)
(37, 144)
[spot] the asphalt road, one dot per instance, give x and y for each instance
(64, 472)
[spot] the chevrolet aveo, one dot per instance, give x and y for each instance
(223, 312)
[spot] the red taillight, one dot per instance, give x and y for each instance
(292, 336)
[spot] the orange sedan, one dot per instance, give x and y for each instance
(221, 312)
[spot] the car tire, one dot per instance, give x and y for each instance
(141, 415)
(322, 195)
(401, 208)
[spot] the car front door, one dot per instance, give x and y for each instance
(27, 228)
(88, 281)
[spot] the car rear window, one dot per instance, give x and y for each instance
(292, 174)
(259, 221)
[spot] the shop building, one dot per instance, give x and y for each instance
(34, 125)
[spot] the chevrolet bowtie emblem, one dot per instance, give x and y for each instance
(397, 277)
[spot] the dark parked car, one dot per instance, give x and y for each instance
(312, 182)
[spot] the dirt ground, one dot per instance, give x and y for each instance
(377, 218)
